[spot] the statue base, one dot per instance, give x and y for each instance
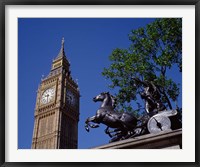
(171, 139)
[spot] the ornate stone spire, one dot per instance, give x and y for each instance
(61, 59)
(62, 51)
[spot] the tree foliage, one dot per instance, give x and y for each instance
(154, 50)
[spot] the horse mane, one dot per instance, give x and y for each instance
(113, 99)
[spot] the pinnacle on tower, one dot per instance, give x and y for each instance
(61, 59)
(62, 51)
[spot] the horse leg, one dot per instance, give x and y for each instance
(138, 132)
(109, 132)
(87, 124)
(121, 132)
(117, 136)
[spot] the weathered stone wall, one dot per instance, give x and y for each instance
(163, 140)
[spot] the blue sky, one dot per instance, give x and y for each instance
(88, 44)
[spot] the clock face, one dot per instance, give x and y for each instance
(70, 98)
(48, 95)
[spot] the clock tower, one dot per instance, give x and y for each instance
(57, 108)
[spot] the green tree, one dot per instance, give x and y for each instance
(154, 50)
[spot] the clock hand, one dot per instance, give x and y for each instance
(158, 124)
(47, 97)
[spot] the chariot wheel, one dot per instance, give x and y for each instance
(158, 123)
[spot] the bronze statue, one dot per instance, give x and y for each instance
(124, 124)
(151, 95)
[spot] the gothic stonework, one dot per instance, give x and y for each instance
(57, 108)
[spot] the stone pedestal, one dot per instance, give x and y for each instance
(163, 140)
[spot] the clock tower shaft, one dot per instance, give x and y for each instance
(57, 108)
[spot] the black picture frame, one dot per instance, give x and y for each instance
(3, 4)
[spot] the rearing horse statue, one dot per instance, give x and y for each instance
(123, 123)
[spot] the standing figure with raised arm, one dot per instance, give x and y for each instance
(151, 95)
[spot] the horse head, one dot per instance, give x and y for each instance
(101, 96)
(107, 99)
